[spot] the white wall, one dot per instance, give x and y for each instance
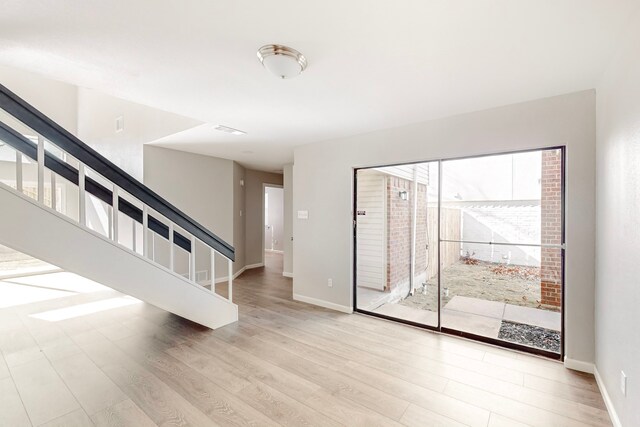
(274, 217)
(57, 100)
(209, 190)
(287, 261)
(97, 113)
(91, 116)
(618, 228)
(239, 216)
(323, 185)
(200, 186)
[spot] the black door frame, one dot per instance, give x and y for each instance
(454, 332)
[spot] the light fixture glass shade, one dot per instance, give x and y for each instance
(282, 66)
(282, 61)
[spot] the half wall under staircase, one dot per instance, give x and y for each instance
(64, 203)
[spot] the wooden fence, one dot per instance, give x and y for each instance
(450, 230)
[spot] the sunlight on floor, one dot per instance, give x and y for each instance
(43, 287)
(12, 294)
(61, 281)
(85, 309)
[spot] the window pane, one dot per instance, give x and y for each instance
(517, 299)
(397, 241)
(497, 198)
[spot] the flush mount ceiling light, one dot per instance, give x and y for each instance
(227, 129)
(282, 61)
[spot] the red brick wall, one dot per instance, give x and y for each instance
(398, 232)
(551, 232)
(399, 218)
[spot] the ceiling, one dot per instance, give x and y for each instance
(372, 64)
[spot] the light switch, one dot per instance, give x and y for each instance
(303, 214)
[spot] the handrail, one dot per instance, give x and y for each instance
(30, 116)
(65, 170)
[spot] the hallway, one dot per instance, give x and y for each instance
(283, 363)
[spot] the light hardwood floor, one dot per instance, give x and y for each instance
(284, 363)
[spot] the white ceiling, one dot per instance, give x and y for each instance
(372, 64)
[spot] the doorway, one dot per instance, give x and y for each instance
(469, 246)
(273, 226)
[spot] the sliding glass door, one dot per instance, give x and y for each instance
(470, 246)
(396, 232)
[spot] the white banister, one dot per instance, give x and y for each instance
(19, 171)
(96, 176)
(54, 201)
(145, 231)
(230, 281)
(192, 260)
(82, 216)
(134, 244)
(110, 222)
(171, 254)
(114, 213)
(153, 247)
(148, 239)
(40, 169)
(212, 276)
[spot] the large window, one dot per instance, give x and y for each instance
(468, 246)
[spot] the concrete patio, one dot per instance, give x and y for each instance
(475, 316)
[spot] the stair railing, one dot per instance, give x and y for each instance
(51, 165)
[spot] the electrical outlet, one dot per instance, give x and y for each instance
(623, 383)
(330, 283)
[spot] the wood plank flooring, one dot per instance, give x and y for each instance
(284, 363)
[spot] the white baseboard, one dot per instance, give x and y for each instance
(322, 303)
(275, 251)
(235, 276)
(579, 365)
(257, 265)
(615, 420)
(287, 274)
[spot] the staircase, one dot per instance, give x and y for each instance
(64, 203)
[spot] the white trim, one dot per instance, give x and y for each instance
(323, 303)
(257, 265)
(579, 365)
(274, 251)
(235, 276)
(287, 274)
(615, 420)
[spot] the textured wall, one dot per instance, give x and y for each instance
(618, 227)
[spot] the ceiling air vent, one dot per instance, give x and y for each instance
(227, 129)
